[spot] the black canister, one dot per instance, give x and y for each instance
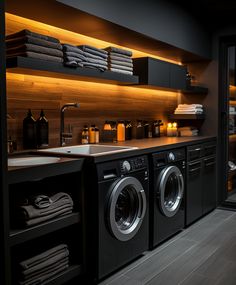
(128, 130)
(42, 131)
(156, 128)
(146, 129)
(139, 130)
(29, 131)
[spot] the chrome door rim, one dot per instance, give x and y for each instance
(130, 232)
(164, 175)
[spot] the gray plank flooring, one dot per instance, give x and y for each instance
(204, 253)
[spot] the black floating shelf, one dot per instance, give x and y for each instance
(195, 89)
(187, 116)
(32, 66)
(65, 276)
(22, 235)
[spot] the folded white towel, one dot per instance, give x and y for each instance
(189, 112)
(190, 105)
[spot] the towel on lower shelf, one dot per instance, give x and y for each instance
(189, 109)
(42, 267)
(188, 131)
(30, 214)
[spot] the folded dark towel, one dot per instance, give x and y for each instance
(119, 50)
(74, 54)
(35, 48)
(73, 63)
(45, 278)
(32, 40)
(44, 270)
(102, 62)
(90, 55)
(71, 48)
(121, 71)
(122, 63)
(33, 34)
(95, 65)
(120, 58)
(36, 55)
(112, 53)
(43, 256)
(94, 51)
(121, 67)
(72, 58)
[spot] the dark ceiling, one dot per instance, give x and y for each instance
(212, 13)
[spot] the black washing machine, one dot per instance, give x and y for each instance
(167, 209)
(119, 215)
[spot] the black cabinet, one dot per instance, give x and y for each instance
(158, 73)
(201, 180)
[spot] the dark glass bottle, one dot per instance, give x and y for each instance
(42, 130)
(128, 130)
(29, 131)
(156, 128)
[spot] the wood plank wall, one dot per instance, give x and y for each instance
(98, 102)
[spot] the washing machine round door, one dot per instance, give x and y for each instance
(126, 208)
(171, 189)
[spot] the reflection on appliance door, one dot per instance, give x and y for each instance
(126, 208)
(171, 189)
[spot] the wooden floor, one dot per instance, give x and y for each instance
(204, 254)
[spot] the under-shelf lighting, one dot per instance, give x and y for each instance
(16, 23)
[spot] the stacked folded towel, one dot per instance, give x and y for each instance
(42, 208)
(189, 109)
(94, 57)
(119, 60)
(73, 56)
(34, 45)
(40, 268)
(188, 131)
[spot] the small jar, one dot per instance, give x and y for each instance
(121, 131)
(85, 135)
(92, 138)
(107, 126)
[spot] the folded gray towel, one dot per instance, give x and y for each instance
(121, 67)
(35, 48)
(74, 54)
(112, 53)
(102, 62)
(44, 270)
(73, 63)
(119, 50)
(36, 55)
(121, 71)
(72, 58)
(71, 48)
(43, 256)
(32, 40)
(121, 63)
(90, 55)
(95, 65)
(32, 34)
(120, 58)
(45, 278)
(94, 51)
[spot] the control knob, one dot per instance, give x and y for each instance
(171, 156)
(126, 167)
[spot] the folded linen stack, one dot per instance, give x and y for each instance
(94, 57)
(73, 56)
(119, 60)
(40, 268)
(42, 208)
(188, 131)
(189, 109)
(29, 44)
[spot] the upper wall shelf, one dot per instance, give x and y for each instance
(195, 90)
(39, 67)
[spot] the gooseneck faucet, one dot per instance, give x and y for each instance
(63, 135)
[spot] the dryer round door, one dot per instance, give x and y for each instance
(171, 189)
(126, 208)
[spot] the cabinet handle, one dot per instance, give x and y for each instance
(210, 163)
(196, 149)
(194, 163)
(194, 169)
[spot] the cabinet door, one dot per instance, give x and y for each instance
(158, 73)
(193, 192)
(178, 76)
(209, 183)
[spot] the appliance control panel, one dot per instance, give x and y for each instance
(175, 155)
(133, 164)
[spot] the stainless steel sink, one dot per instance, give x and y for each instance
(88, 150)
(31, 160)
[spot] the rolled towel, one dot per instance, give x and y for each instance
(32, 34)
(93, 50)
(32, 40)
(119, 50)
(43, 256)
(35, 48)
(37, 56)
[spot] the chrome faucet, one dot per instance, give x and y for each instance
(63, 135)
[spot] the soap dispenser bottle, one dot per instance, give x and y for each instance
(42, 131)
(29, 131)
